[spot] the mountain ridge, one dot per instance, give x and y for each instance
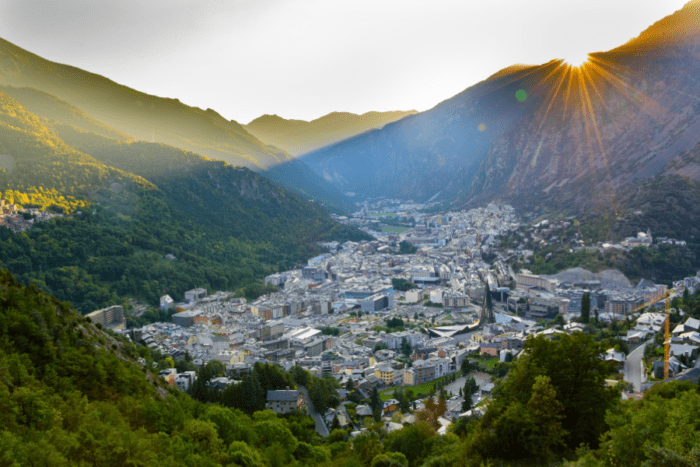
(299, 136)
(542, 136)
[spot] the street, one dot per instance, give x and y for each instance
(633, 366)
(321, 428)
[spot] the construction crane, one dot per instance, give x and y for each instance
(667, 332)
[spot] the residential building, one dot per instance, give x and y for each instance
(195, 295)
(284, 401)
(111, 317)
(423, 371)
(385, 373)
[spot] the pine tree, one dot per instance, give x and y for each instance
(487, 312)
(586, 308)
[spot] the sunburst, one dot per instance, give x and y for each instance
(576, 59)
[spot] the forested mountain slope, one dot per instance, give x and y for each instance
(76, 124)
(226, 225)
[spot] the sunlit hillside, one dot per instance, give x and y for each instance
(141, 116)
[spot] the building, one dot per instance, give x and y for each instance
(455, 301)
(489, 349)
(166, 302)
(409, 377)
(393, 340)
(436, 296)
(185, 380)
(622, 306)
(531, 280)
(377, 302)
(386, 374)
(111, 318)
(314, 274)
(193, 295)
(186, 319)
(423, 371)
(414, 296)
(284, 401)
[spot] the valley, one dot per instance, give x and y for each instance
(509, 277)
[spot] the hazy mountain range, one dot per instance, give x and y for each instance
(300, 137)
(606, 135)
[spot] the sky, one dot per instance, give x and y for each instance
(301, 59)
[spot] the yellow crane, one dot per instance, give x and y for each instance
(667, 332)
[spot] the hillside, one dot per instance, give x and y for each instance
(543, 136)
(299, 137)
(139, 115)
(56, 113)
(74, 394)
(227, 226)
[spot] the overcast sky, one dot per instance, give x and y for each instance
(305, 58)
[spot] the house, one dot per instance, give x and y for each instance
(220, 383)
(684, 349)
(692, 324)
(488, 349)
(284, 401)
(385, 373)
(332, 413)
(674, 367)
(169, 375)
(390, 405)
(363, 411)
(185, 380)
(691, 374)
(409, 377)
(616, 356)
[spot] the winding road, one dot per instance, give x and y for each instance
(633, 367)
(321, 427)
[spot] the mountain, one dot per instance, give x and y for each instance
(131, 203)
(94, 103)
(300, 137)
(139, 115)
(550, 135)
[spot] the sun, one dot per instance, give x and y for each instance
(576, 59)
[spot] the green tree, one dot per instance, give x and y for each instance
(376, 405)
(576, 373)
(470, 387)
(586, 308)
(390, 459)
(405, 347)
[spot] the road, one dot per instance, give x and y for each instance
(633, 367)
(321, 427)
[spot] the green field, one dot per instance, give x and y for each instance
(420, 388)
(394, 229)
(490, 363)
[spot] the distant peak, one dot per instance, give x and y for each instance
(269, 119)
